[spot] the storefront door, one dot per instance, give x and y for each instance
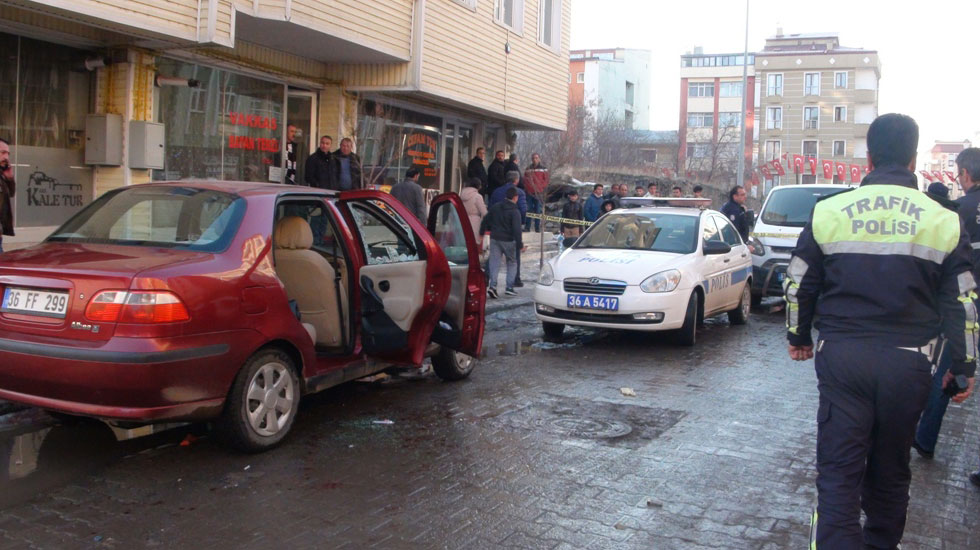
(301, 139)
(458, 150)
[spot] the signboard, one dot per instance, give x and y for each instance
(422, 153)
(52, 185)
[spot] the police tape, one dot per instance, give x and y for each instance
(566, 221)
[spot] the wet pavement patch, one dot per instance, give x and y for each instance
(610, 424)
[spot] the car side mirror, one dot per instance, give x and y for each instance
(715, 247)
(750, 217)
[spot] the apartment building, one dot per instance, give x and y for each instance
(817, 100)
(611, 83)
(98, 94)
(711, 112)
(940, 164)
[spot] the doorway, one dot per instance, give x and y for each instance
(300, 141)
(458, 148)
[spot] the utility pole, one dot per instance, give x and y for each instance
(740, 177)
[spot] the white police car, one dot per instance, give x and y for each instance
(661, 267)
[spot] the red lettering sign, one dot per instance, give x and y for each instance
(252, 121)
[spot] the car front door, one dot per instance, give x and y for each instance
(738, 265)
(713, 268)
(402, 277)
(462, 329)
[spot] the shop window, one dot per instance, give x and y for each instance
(236, 136)
(391, 140)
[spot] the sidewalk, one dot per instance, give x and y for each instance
(529, 273)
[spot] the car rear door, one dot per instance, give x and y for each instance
(401, 274)
(463, 317)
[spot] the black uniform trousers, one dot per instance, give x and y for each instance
(871, 397)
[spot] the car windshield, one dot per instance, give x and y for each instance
(172, 217)
(643, 231)
(793, 207)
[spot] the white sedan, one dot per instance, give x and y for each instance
(648, 268)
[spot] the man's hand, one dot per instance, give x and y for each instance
(802, 353)
(962, 396)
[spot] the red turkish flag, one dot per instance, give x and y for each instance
(812, 161)
(841, 170)
(797, 164)
(778, 166)
(950, 175)
(828, 169)
(939, 176)
(765, 172)
(925, 175)
(855, 173)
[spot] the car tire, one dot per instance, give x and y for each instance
(451, 365)
(552, 330)
(687, 334)
(740, 315)
(262, 403)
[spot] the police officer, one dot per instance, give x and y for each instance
(734, 210)
(891, 268)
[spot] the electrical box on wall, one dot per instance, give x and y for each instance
(146, 145)
(103, 140)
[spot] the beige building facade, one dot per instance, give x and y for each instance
(98, 94)
(816, 99)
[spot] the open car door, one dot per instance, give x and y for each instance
(461, 325)
(402, 276)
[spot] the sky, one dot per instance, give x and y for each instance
(929, 51)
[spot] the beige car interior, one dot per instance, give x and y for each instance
(308, 278)
(406, 288)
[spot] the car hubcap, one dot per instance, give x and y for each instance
(271, 396)
(464, 361)
(746, 301)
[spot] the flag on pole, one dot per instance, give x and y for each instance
(765, 172)
(926, 175)
(939, 176)
(778, 167)
(828, 169)
(855, 173)
(841, 170)
(950, 175)
(797, 164)
(812, 161)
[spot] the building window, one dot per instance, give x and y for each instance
(951, 162)
(701, 89)
(580, 78)
(700, 120)
(730, 89)
(811, 118)
(630, 93)
(774, 84)
(811, 84)
(809, 148)
(716, 61)
(773, 150)
(648, 155)
(698, 150)
(840, 113)
(774, 118)
(471, 4)
(840, 79)
(729, 119)
(839, 148)
(549, 23)
(510, 13)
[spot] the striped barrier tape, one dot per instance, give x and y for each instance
(566, 221)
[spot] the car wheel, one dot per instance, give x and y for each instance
(740, 315)
(451, 365)
(552, 330)
(687, 334)
(261, 404)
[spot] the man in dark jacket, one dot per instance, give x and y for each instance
(347, 166)
(409, 192)
(503, 221)
(572, 211)
(734, 210)
(593, 204)
(7, 189)
(475, 169)
(319, 171)
(496, 175)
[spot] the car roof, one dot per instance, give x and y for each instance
(241, 188)
(840, 186)
(680, 211)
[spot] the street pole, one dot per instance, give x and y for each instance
(740, 178)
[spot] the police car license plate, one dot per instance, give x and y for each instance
(584, 301)
(34, 302)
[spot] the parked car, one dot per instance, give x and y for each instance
(774, 235)
(230, 301)
(648, 268)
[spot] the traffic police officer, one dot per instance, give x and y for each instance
(891, 268)
(734, 210)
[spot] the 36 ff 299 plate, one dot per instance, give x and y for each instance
(29, 301)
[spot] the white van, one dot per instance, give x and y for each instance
(785, 212)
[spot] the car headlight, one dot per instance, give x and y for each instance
(665, 281)
(547, 275)
(758, 248)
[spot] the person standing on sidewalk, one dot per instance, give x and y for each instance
(319, 170)
(503, 222)
(476, 208)
(878, 334)
(534, 187)
(409, 193)
(513, 177)
(572, 211)
(475, 169)
(7, 189)
(496, 175)
(347, 166)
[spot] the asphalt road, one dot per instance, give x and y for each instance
(539, 448)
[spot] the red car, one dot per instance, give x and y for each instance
(220, 300)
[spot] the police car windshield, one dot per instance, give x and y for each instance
(643, 231)
(793, 207)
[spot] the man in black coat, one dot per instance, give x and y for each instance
(319, 170)
(734, 210)
(475, 169)
(496, 175)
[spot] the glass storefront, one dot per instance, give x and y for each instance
(391, 140)
(230, 127)
(45, 93)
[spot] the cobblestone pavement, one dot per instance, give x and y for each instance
(538, 449)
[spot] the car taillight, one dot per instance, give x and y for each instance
(136, 307)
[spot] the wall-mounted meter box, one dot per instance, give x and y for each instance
(146, 145)
(103, 140)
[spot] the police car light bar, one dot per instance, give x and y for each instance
(637, 202)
